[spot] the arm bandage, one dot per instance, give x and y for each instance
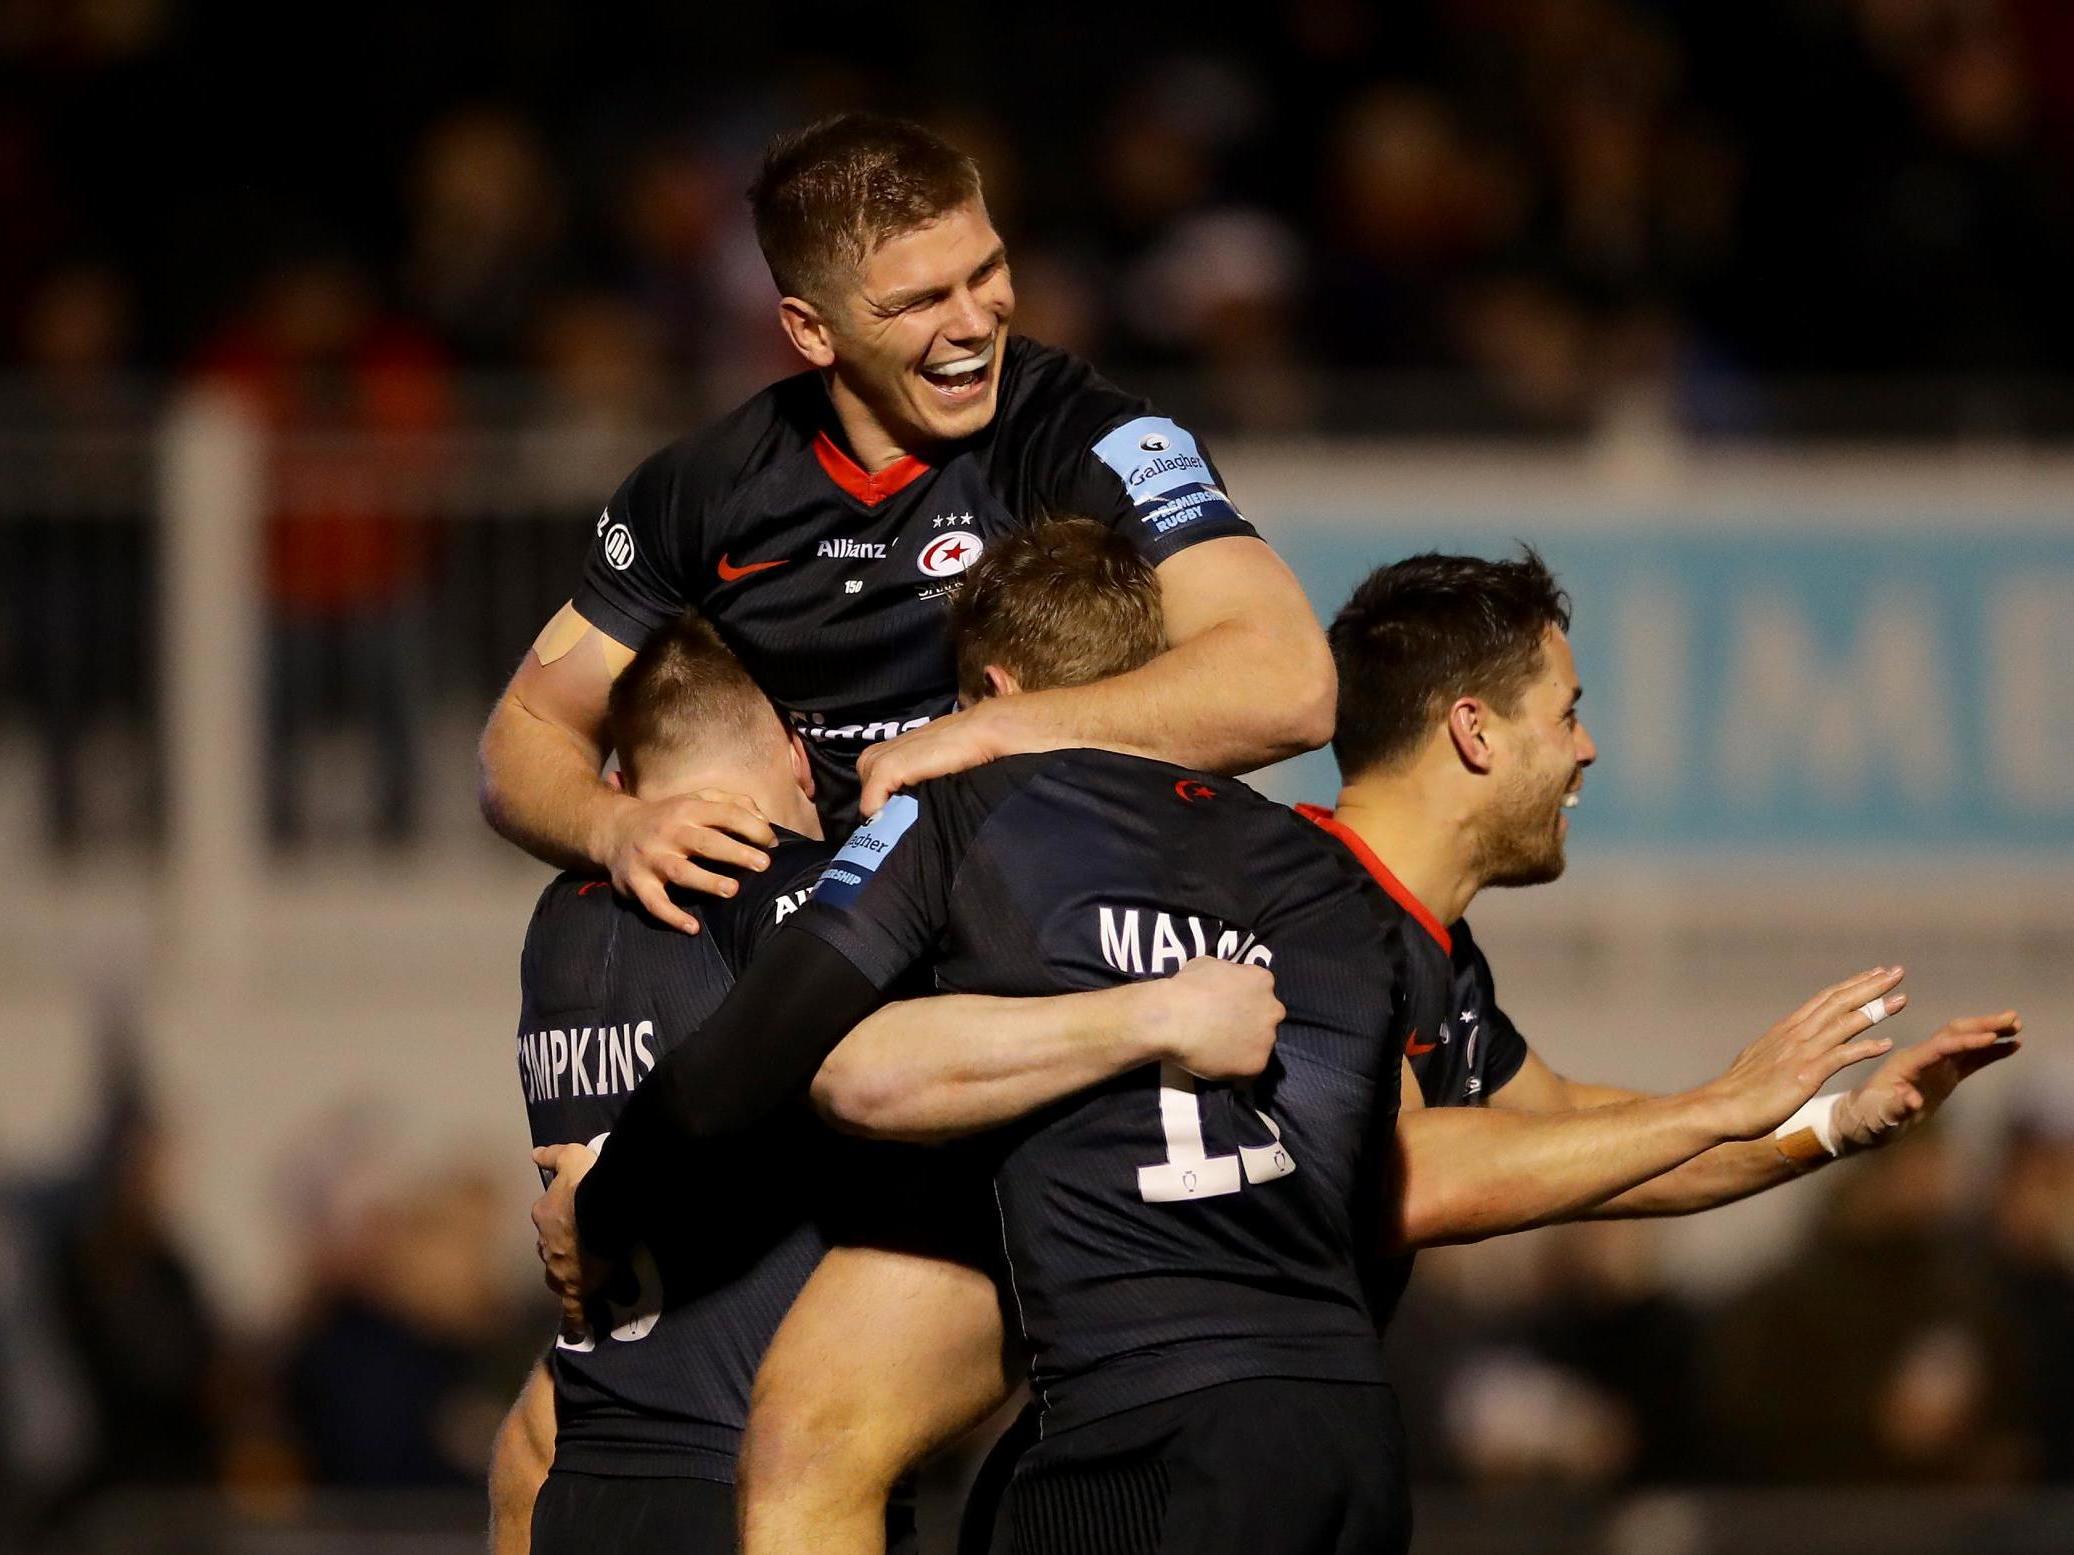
(1809, 1137)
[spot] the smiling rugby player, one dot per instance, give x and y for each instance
(821, 526)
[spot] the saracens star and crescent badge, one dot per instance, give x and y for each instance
(950, 553)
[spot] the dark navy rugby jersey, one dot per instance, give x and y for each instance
(662, 1386)
(1475, 1048)
(1162, 1234)
(831, 583)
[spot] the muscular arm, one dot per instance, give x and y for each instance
(1722, 1175)
(1247, 679)
(545, 743)
(932, 1069)
(540, 756)
(1466, 1173)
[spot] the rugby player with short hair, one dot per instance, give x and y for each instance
(650, 1395)
(823, 524)
(1461, 751)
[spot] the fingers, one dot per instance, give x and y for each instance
(1851, 1053)
(1817, 1000)
(1855, 994)
(650, 892)
(547, 1155)
(728, 814)
(712, 842)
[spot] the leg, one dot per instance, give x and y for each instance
(884, 1357)
(519, 1461)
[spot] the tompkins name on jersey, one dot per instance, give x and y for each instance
(585, 1060)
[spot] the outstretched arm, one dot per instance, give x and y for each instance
(1466, 1173)
(933, 1069)
(1247, 679)
(1900, 1094)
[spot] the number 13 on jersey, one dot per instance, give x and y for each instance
(1190, 1171)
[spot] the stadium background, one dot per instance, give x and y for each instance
(327, 335)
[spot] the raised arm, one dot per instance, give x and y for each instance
(540, 758)
(931, 1069)
(1468, 1173)
(1246, 680)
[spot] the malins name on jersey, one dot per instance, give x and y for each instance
(585, 1060)
(1147, 943)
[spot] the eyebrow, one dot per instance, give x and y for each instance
(893, 302)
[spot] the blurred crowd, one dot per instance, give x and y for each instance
(1531, 209)
(1919, 1330)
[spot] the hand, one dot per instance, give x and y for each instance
(1788, 1064)
(966, 739)
(572, 1274)
(1216, 1019)
(652, 843)
(1911, 1085)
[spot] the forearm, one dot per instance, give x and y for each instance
(931, 1069)
(541, 790)
(1722, 1175)
(519, 1460)
(1471, 1173)
(1182, 708)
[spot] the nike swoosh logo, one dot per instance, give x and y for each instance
(729, 572)
(1414, 1048)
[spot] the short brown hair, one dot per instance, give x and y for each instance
(1422, 632)
(829, 194)
(684, 692)
(1062, 603)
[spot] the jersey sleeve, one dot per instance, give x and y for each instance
(1150, 478)
(636, 576)
(883, 902)
(1504, 1049)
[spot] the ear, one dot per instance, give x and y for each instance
(1001, 682)
(802, 769)
(1468, 728)
(808, 331)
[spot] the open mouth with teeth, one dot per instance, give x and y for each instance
(962, 377)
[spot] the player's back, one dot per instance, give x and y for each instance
(1165, 1234)
(662, 1387)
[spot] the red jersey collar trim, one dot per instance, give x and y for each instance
(859, 482)
(1398, 892)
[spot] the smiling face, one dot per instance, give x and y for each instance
(1543, 749)
(914, 343)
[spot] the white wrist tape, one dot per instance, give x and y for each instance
(1810, 1129)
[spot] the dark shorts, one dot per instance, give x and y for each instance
(1267, 1466)
(620, 1514)
(601, 1514)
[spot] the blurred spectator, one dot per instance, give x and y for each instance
(347, 548)
(1877, 1351)
(485, 223)
(601, 413)
(2031, 1231)
(412, 1348)
(78, 611)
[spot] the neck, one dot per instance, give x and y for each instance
(773, 793)
(1413, 825)
(870, 444)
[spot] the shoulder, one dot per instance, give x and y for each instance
(1051, 392)
(716, 457)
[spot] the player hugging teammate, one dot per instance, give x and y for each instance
(1172, 1023)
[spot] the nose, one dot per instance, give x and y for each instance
(972, 323)
(1587, 748)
